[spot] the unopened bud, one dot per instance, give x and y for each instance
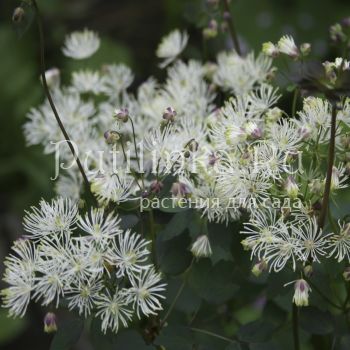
(211, 31)
(270, 49)
(336, 33)
(50, 325)
(53, 77)
(122, 114)
(308, 271)
(201, 247)
(169, 114)
(18, 15)
(346, 274)
(112, 137)
(252, 130)
(180, 190)
(156, 186)
(259, 268)
(305, 49)
(301, 293)
(291, 187)
(316, 187)
(273, 114)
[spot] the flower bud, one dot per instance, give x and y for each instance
(169, 114)
(259, 268)
(210, 69)
(305, 49)
(252, 130)
(336, 33)
(50, 325)
(211, 31)
(156, 186)
(270, 49)
(287, 46)
(308, 271)
(201, 247)
(112, 137)
(273, 115)
(212, 159)
(305, 131)
(18, 15)
(192, 145)
(346, 274)
(345, 22)
(180, 190)
(301, 293)
(316, 186)
(53, 77)
(291, 187)
(122, 114)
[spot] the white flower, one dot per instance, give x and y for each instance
(339, 244)
(112, 187)
(312, 241)
(87, 81)
(80, 45)
(99, 225)
(201, 247)
(113, 309)
(145, 293)
(287, 46)
(19, 274)
(171, 46)
(49, 219)
(84, 295)
(129, 254)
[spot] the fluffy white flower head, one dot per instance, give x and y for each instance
(80, 45)
(171, 46)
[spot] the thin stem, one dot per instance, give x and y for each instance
(212, 334)
(295, 316)
(295, 99)
(232, 28)
(136, 151)
(52, 105)
(152, 234)
(179, 292)
(327, 189)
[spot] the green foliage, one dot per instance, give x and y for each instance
(67, 335)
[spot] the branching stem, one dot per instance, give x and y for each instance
(52, 105)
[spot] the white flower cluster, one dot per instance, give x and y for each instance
(235, 156)
(86, 262)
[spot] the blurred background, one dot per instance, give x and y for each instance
(130, 31)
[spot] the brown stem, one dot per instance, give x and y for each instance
(331, 150)
(52, 105)
(232, 28)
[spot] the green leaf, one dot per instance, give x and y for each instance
(213, 283)
(234, 346)
(173, 256)
(273, 313)
(220, 237)
(10, 328)
(130, 340)
(67, 335)
(175, 338)
(315, 321)
(187, 302)
(128, 221)
(177, 225)
(256, 331)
